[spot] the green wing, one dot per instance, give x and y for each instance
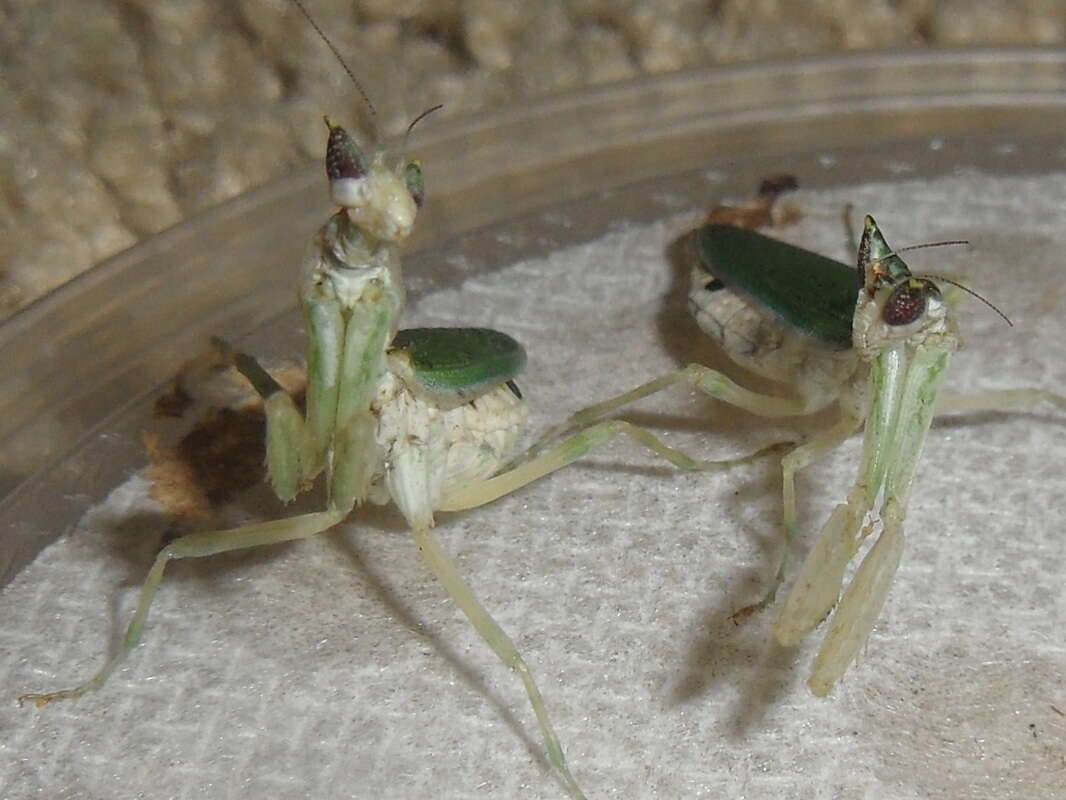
(460, 363)
(812, 293)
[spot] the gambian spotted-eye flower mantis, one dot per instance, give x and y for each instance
(875, 342)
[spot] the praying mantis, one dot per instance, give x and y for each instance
(874, 341)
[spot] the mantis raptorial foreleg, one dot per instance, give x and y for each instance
(897, 421)
(286, 431)
(195, 545)
(293, 449)
(297, 446)
(859, 607)
(324, 323)
(817, 586)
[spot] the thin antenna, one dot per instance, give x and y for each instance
(971, 292)
(418, 119)
(929, 244)
(343, 63)
(956, 284)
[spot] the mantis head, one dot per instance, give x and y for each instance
(894, 306)
(380, 196)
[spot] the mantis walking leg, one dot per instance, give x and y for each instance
(803, 456)
(577, 446)
(496, 638)
(709, 381)
(714, 384)
(195, 545)
(409, 483)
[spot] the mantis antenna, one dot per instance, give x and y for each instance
(956, 284)
(344, 64)
(968, 291)
(419, 118)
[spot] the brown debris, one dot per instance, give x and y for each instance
(223, 453)
(760, 212)
(174, 402)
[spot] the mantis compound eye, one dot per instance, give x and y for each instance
(416, 185)
(346, 168)
(908, 302)
(344, 159)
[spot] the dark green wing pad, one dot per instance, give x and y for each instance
(457, 365)
(811, 293)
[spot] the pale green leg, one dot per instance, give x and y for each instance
(408, 484)
(486, 491)
(325, 328)
(296, 448)
(899, 418)
(195, 545)
(708, 381)
(361, 368)
(286, 432)
(803, 456)
(816, 588)
(704, 379)
(496, 638)
(576, 447)
(859, 607)
(531, 466)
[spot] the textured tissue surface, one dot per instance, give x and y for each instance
(336, 668)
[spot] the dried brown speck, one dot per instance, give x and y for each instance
(761, 212)
(174, 402)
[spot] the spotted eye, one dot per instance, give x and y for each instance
(416, 185)
(907, 302)
(343, 157)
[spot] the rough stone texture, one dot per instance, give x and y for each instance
(122, 117)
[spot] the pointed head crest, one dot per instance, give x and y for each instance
(893, 304)
(878, 263)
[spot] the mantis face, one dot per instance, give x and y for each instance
(895, 307)
(381, 197)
